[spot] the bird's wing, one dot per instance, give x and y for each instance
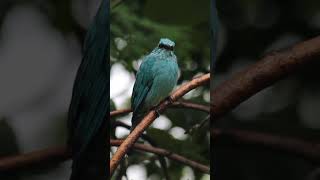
(143, 84)
(90, 102)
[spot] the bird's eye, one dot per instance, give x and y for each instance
(166, 47)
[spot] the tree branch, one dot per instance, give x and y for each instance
(145, 137)
(150, 117)
(178, 104)
(262, 74)
(59, 154)
(305, 149)
(163, 152)
(49, 155)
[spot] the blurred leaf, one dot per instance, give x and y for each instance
(185, 148)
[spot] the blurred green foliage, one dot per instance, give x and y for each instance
(130, 21)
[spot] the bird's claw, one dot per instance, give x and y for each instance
(169, 98)
(157, 112)
(156, 109)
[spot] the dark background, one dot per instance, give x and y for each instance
(289, 108)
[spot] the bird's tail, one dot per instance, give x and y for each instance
(136, 119)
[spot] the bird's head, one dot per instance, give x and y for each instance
(166, 43)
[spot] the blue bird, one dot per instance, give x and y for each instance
(155, 79)
(89, 105)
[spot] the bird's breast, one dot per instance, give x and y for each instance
(165, 78)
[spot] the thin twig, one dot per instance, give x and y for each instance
(190, 105)
(163, 152)
(145, 137)
(122, 170)
(178, 104)
(119, 112)
(262, 74)
(198, 125)
(150, 117)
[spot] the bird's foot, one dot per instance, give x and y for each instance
(157, 112)
(156, 109)
(169, 98)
